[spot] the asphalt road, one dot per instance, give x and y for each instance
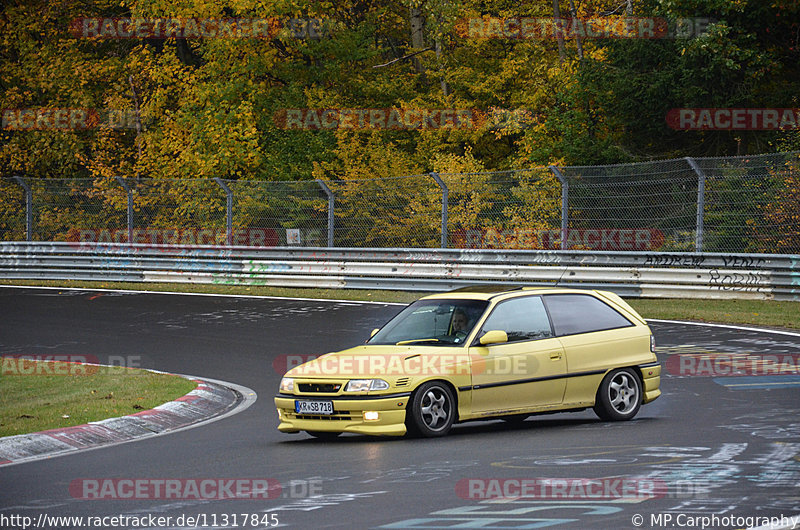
(716, 449)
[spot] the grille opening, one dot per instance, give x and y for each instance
(319, 387)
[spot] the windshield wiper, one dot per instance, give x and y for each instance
(412, 341)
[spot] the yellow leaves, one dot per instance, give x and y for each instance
(453, 163)
(781, 213)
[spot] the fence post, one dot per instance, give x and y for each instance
(445, 200)
(228, 210)
(701, 203)
(564, 204)
(28, 207)
(331, 205)
(129, 191)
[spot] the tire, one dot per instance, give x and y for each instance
(619, 396)
(324, 435)
(432, 410)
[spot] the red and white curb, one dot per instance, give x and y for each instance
(212, 400)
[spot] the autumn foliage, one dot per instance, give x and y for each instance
(192, 91)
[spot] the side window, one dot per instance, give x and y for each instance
(582, 313)
(521, 318)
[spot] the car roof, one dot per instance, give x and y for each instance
(499, 292)
(489, 291)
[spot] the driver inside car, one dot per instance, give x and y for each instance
(459, 324)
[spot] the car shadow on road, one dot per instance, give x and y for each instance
(531, 425)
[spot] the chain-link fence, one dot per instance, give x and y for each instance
(725, 204)
(633, 207)
(752, 203)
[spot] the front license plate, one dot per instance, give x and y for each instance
(313, 407)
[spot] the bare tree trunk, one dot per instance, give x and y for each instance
(417, 21)
(574, 14)
(629, 9)
(562, 51)
(445, 88)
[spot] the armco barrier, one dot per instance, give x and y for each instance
(634, 274)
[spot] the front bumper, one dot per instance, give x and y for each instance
(348, 415)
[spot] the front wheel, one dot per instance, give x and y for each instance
(432, 410)
(619, 396)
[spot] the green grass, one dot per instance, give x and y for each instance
(752, 312)
(32, 399)
(338, 294)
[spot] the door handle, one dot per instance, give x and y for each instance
(555, 356)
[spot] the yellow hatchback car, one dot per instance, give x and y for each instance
(479, 353)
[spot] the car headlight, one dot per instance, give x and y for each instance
(364, 385)
(287, 385)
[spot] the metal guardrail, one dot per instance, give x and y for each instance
(632, 274)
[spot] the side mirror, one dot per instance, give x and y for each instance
(374, 331)
(494, 337)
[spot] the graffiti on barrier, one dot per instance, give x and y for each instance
(745, 281)
(674, 260)
(743, 262)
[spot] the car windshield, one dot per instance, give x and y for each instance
(432, 322)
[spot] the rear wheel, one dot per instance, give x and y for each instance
(619, 396)
(432, 410)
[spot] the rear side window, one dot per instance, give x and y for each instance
(521, 318)
(582, 313)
